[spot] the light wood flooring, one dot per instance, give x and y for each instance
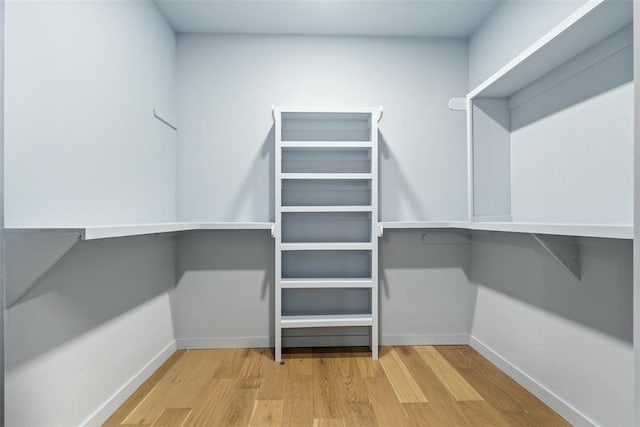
(408, 386)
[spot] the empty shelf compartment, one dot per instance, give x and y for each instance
(326, 264)
(326, 320)
(319, 160)
(326, 227)
(326, 192)
(299, 126)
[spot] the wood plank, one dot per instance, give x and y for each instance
(387, 409)
(360, 414)
(134, 400)
(170, 390)
(348, 379)
(299, 361)
(266, 413)
(239, 407)
(423, 414)
(172, 417)
(214, 401)
(274, 382)
(454, 355)
(400, 378)
(329, 422)
(481, 413)
(447, 374)
(511, 399)
(443, 404)
(326, 396)
(298, 402)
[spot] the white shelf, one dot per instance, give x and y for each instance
(326, 320)
(125, 230)
(236, 225)
(326, 208)
(338, 176)
(338, 246)
(326, 283)
(580, 230)
(326, 144)
(613, 231)
(416, 224)
(585, 27)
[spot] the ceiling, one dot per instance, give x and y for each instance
(426, 18)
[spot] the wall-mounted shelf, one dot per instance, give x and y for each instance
(126, 230)
(333, 176)
(618, 231)
(591, 23)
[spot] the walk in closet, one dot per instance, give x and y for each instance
(362, 181)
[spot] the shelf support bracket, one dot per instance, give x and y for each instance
(380, 230)
(273, 231)
(564, 249)
(30, 255)
(381, 114)
(458, 104)
(163, 120)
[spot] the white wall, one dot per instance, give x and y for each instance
(510, 28)
(227, 84)
(572, 337)
(82, 146)
(225, 294)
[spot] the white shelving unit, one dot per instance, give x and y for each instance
(326, 213)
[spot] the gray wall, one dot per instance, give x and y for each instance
(227, 84)
(92, 322)
(510, 28)
(82, 79)
(225, 295)
(573, 337)
(83, 148)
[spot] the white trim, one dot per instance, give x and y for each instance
(425, 339)
(555, 402)
(104, 411)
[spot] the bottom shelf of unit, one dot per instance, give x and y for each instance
(326, 320)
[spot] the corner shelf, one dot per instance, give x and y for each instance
(605, 231)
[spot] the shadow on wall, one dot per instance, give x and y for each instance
(96, 281)
(255, 188)
(394, 187)
(515, 265)
(225, 282)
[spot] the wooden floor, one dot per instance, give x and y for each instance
(408, 386)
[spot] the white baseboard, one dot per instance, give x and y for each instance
(429, 339)
(322, 341)
(555, 402)
(105, 410)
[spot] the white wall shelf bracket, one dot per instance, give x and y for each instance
(564, 249)
(30, 255)
(381, 114)
(380, 229)
(458, 104)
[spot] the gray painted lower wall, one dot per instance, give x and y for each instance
(571, 337)
(88, 329)
(224, 296)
